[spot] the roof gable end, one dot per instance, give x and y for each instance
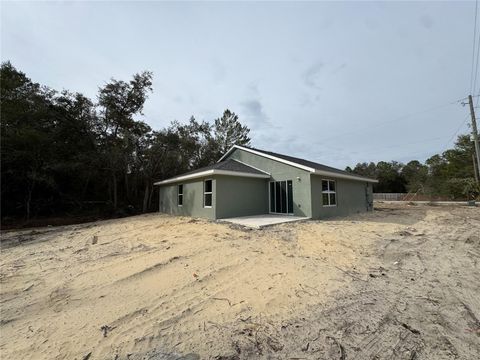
(266, 155)
(312, 167)
(229, 167)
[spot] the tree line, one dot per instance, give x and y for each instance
(448, 175)
(64, 154)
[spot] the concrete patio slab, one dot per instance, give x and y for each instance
(259, 221)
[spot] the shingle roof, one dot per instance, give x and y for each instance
(228, 165)
(308, 163)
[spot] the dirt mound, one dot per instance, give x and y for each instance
(401, 283)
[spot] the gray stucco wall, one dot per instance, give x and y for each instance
(241, 196)
(192, 199)
(279, 171)
(232, 196)
(352, 197)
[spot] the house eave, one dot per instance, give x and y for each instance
(256, 168)
(210, 173)
(291, 163)
(343, 176)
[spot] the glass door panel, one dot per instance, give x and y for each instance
(289, 197)
(281, 197)
(272, 196)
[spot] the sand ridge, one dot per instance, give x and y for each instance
(157, 286)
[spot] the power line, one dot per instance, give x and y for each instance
(476, 68)
(474, 48)
(456, 132)
(473, 87)
(371, 151)
(422, 141)
(461, 101)
(475, 136)
(383, 123)
(430, 140)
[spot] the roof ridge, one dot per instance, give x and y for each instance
(304, 162)
(253, 167)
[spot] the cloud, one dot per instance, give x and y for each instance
(255, 115)
(218, 71)
(371, 23)
(426, 21)
(253, 107)
(177, 99)
(253, 89)
(200, 70)
(312, 80)
(312, 74)
(297, 146)
(339, 68)
(280, 142)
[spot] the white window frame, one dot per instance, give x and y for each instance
(178, 195)
(207, 193)
(328, 191)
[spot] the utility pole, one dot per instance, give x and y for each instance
(474, 131)
(475, 168)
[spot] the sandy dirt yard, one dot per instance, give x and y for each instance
(400, 283)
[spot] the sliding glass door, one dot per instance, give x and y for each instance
(281, 197)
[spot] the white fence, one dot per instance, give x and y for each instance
(389, 196)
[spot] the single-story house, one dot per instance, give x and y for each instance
(247, 181)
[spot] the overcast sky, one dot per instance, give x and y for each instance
(334, 82)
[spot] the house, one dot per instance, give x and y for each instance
(247, 181)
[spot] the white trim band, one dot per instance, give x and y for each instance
(211, 172)
(253, 167)
(259, 153)
(343, 176)
(291, 163)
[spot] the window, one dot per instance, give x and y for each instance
(329, 195)
(180, 195)
(207, 193)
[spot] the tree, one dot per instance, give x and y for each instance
(367, 170)
(25, 145)
(459, 159)
(158, 158)
(415, 175)
(446, 171)
(228, 131)
(389, 177)
(46, 143)
(449, 174)
(193, 140)
(63, 153)
(119, 102)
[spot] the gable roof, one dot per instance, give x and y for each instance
(230, 167)
(310, 166)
